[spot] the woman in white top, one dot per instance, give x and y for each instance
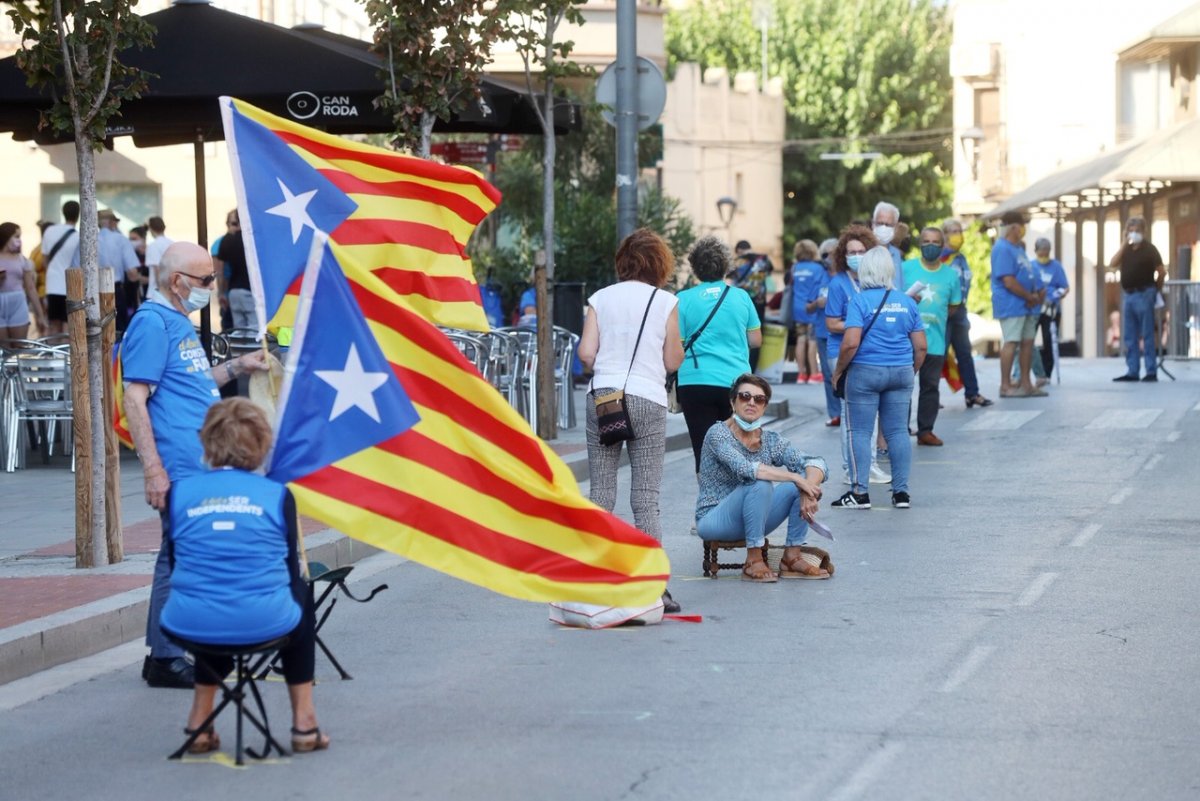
(18, 288)
(644, 264)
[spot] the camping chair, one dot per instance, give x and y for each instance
(248, 660)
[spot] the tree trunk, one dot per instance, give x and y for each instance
(96, 363)
(112, 457)
(544, 277)
(427, 121)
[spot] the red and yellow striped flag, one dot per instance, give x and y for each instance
(405, 219)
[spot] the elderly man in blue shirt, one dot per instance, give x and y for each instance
(1017, 298)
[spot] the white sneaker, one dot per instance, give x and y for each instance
(878, 476)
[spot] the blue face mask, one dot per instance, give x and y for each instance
(931, 252)
(742, 424)
(854, 260)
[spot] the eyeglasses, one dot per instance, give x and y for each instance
(205, 280)
(747, 397)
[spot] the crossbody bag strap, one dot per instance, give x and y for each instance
(638, 341)
(876, 317)
(58, 245)
(692, 339)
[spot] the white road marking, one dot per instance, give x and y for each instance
(1000, 421)
(862, 779)
(1035, 590)
(1085, 536)
(1152, 462)
(1125, 418)
(967, 667)
(1121, 495)
(1174, 436)
(1196, 408)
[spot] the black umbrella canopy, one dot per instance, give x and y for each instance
(200, 52)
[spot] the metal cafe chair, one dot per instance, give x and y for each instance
(39, 388)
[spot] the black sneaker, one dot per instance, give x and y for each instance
(1126, 378)
(177, 673)
(853, 500)
(1150, 377)
(900, 500)
(670, 605)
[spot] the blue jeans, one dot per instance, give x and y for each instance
(160, 589)
(752, 511)
(884, 391)
(833, 406)
(1137, 323)
(958, 332)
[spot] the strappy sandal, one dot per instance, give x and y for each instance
(203, 744)
(319, 742)
(758, 572)
(803, 566)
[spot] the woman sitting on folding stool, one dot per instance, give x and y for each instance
(235, 577)
(753, 480)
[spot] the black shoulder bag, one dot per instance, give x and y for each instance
(612, 415)
(839, 389)
(673, 377)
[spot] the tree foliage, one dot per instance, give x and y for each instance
(435, 51)
(872, 75)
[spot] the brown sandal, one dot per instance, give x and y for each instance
(206, 741)
(758, 571)
(806, 566)
(319, 742)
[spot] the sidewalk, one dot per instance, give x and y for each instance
(51, 612)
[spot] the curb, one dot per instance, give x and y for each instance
(46, 642)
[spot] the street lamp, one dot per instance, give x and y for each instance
(726, 206)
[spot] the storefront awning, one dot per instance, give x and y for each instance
(1168, 156)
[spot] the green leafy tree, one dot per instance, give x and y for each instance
(872, 75)
(71, 47)
(435, 51)
(977, 248)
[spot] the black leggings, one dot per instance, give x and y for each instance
(702, 405)
(298, 656)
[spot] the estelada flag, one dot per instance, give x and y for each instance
(404, 219)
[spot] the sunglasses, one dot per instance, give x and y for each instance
(747, 397)
(205, 280)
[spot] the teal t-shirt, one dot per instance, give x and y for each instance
(942, 290)
(721, 353)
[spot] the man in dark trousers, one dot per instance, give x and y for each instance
(1142, 276)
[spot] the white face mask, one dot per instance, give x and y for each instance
(884, 234)
(196, 298)
(1135, 238)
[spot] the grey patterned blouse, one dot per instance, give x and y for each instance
(726, 464)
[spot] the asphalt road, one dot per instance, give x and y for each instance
(1026, 630)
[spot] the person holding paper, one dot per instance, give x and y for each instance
(938, 292)
(752, 481)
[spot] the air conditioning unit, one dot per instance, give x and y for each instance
(974, 60)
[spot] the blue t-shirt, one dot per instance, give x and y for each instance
(841, 288)
(233, 564)
(819, 289)
(721, 353)
(1010, 259)
(942, 290)
(804, 275)
(1053, 276)
(161, 349)
(528, 298)
(887, 344)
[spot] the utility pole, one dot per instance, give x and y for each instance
(627, 122)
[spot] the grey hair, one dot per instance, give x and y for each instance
(883, 205)
(1041, 244)
(828, 246)
(1135, 219)
(952, 222)
(877, 269)
(710, 258)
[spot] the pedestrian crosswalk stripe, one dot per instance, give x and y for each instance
(1000, 421)
(1125, 418)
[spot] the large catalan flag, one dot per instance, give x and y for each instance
(404, 219)
(468, 489)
